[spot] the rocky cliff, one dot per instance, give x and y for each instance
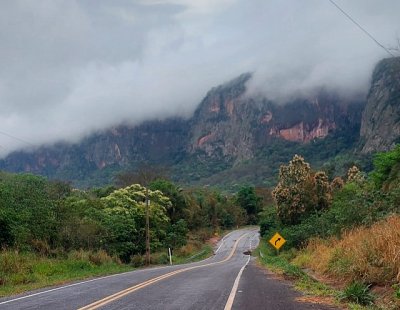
(229, 123)
(117, 148)
(380, 125)
(228, 127)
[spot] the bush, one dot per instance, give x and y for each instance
(12, 262)
(357, 292)
(100, 258)
(269, 221)
(78, 255)
(137, 260)
(367, 254)
(159, 258)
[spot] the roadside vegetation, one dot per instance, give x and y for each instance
(52, 233)
(345, 230)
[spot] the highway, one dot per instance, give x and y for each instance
(227, 280)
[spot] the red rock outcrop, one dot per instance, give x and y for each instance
(204, 139)
(302, 133)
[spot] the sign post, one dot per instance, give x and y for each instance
(170, 256)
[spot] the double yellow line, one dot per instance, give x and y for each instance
(120, 294)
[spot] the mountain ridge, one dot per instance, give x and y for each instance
(227, 129)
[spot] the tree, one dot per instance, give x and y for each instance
(145, 174)
(299, 191)
(322, 190)
(354, 175)
(247, 199)
(176, 210)
(126, 210)
(177, 234)
(386, 167)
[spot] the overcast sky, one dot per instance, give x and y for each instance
(71, 67)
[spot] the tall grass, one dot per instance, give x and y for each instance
(367, 254)
(24, 271)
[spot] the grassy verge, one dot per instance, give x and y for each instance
(367, 259)
(21, 272)
(281, 265)
(204, 252)
(290, 265)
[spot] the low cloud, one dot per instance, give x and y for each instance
(70, 68)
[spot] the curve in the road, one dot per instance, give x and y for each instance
(118, 295)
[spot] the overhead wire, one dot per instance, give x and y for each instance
(361, 28)
(16, 138)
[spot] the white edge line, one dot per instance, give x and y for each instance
(222, 242)
(223, 239)
(75, 284)
(232, 295)
(92, 280)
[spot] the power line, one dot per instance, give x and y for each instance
(16, 138)
(362, 29)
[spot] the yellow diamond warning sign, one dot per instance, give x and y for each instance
(277, 241)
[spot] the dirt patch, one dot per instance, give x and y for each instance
(214, 240)
(337, 284)
(319, 300)
(384, 293)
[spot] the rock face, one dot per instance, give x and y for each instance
(155, 141)
(380, 125)
(229, 126)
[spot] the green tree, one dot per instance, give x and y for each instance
(176, 210)
(125, 220)
(177, 234)
(387, 168)
(28, 209)
(247, 199)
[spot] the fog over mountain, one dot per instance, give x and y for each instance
(69, 68)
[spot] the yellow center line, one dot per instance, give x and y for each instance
(120, 294)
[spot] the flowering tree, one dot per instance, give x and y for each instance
(300, 191)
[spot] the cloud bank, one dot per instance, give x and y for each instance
(69, 67)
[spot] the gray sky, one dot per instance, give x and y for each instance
(71, 67)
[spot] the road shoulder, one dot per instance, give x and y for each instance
(262, 289)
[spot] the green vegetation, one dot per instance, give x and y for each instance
(347, 229)
(333, 155)
(357, 292)
(20, 271)
(52, 233)
(281, 265)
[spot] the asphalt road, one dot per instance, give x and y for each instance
(228, 280)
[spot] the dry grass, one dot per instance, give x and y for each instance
(371, 255)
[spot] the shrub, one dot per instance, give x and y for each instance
(41, 247)
(100, 258)
(186, 250)
(357, 292)
(79, 255)
(367, 254)
(12, 262)
(161, 258)
(137, 260)
(396, 288)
